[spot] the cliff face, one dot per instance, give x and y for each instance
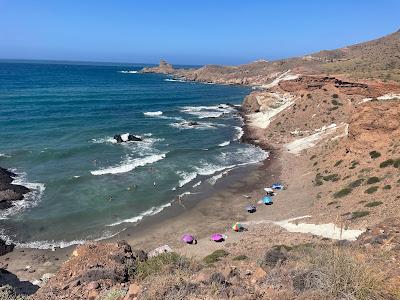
(163, 68)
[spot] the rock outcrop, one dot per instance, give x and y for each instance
(10, 192)
(127, 137)
(162, 68)
(92, 269)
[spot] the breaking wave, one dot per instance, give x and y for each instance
(31, 199)
(128, 72)
(213, 111)
(129, 164)
(150, 212)
(153, 113)
(224, 144)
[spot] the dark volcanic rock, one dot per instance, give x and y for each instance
(130, 138)
(10, 192)
(5, 248)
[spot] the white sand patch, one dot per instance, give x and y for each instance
(310, 141)
(329, 230)
(263, 118)
(282, 77)
(390, 96)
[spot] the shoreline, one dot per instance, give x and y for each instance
(193, 209)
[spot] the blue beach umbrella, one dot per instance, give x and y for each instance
(267, 200)
(277, 186)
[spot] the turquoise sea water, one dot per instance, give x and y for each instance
(57, 122)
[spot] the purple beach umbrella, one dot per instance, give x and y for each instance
(216, 237)
(188, 238)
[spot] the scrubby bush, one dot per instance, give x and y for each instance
(343, 192)
(396, 163)
(335, 96)
(371, 190)
(158, 263)
(359, 214)
(240, 257)
(372, 180)
(374, 154)
(373, 204)
(215, 256)
(387, 187)
(356, 183)
(386, 163)
(338, 163)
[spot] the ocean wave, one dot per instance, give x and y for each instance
(213, 180)
(4, 155)
(239, 133)
(150, 212)
(153, 113)
(188, 125)
(186, 177)
(128, 72)
(197, 184)
(31, 199)
(43, 245)
(175, 80)
(213, 111)
(129, 164)
(224, 144)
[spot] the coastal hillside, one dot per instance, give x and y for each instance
(377, 59)
(331, 124)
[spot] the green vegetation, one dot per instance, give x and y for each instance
(343, 192)
(372, 180)
(371, 190)
(374, 154)
(318, 179)
(354, 164)
(356, 183)
(373, 204)
(282, 247)
(240, 257)
(396, 163)
(338, 163)
(114, 295)
(387, 187)
(331, 177)
(386, 163)
(215, 256)
(312, 157)
(158, 263)
(359, 214)
(335, 96)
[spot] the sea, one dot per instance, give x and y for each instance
(57, 123)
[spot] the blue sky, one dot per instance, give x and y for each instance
(187, 32)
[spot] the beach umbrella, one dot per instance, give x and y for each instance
(251, 208)
(267, 200)
(216, 237)
(237, 227)
(277, 186)
(188, 238)
(269, 190)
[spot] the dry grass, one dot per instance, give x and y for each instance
(338, 274)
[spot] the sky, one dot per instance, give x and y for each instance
(187, 32)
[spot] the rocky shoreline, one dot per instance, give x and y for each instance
(9, 192)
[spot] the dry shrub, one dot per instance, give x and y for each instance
(337, 273)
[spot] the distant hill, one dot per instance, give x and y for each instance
(376, 59)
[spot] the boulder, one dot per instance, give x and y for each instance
(127, 137)
(5, 247)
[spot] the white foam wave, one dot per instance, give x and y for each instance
(153, 113)
(4, 155)
(197, 184)
(174, 80)
(54, 244)
(129, 164)
(128, 72)
(213, 180)
(224, 144)
(214, 111)
(239, 133)
(187, 125)
(150, 212)
(186, 177)
(31, 199)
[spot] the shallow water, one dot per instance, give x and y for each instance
(57, 122)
